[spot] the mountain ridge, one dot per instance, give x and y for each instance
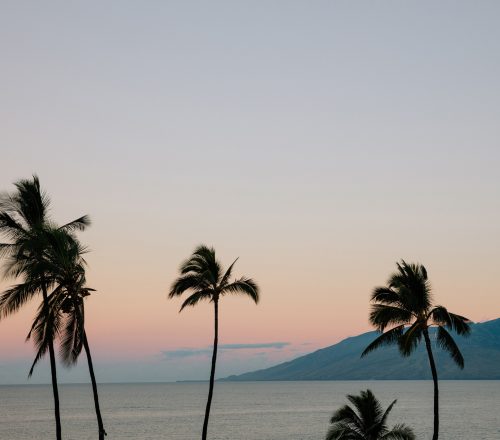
(342, 361)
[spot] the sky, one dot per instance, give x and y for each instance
(320, 142)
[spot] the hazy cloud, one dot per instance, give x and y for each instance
(276, 345)
(182, 353)
(185, 352)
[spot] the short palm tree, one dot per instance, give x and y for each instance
(65, 268)
(405, 305)
(367, 421)
(25, 224)
(203, 277)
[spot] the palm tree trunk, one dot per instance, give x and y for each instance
(100, 425)
(212, 372)
(53, 370)
(436, 389)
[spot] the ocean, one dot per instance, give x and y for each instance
(470, 410)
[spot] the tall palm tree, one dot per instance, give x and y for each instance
(405, 305)
(204, 278)
(66, 269)
(25, 224)
(367, 421)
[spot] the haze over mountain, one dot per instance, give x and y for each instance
(481, 351)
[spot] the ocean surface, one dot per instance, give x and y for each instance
(470, 410)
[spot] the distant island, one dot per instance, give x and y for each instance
(342, 361)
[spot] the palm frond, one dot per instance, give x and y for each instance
(347, 415)
(390, 337)
(385, 295)
(11, 300)
(71, 337)
(32, 203)
(457, 323)
(6, 249)
(344, 431)
(203, 258)
(195, 265)
(408, 342)
(399, 432)
(382, 316)
(16, 267)
(369, 409)
(46, 327)
(367, 421)
(383, 419)
(227, 275)
(412, 284)
(196, 297)
(41, 352)
(10, 226)
(244, 286)
(203, 264)
(80, 224)
(446, 342)
(189, 281)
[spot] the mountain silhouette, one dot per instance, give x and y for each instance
(481, 351)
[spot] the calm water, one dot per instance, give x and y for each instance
(470, 410)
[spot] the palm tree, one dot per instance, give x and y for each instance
(203, 277)
(24, 222)
(368, 421)
(405, 305)
(66, 269)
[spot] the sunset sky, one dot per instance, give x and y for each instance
(318, 141)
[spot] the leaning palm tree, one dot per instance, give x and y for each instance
(74, 337)
(203, 277)
(367, 421)
(65, 268)
(405, 305)
(25, 224)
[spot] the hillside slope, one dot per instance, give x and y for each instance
(342, 361)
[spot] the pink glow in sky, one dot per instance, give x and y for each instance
(319, 143)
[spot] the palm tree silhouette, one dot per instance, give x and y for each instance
(367, 421)
(203, 277)
(407, 301)
(25, 224)
(66, 273)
